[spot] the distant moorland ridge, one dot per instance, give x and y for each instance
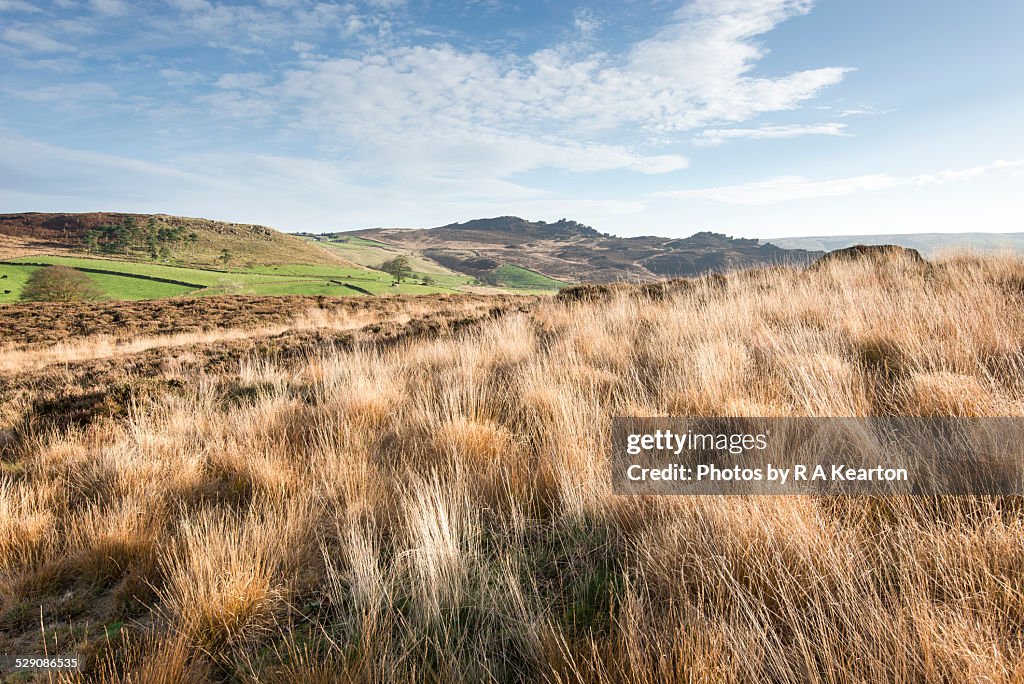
(570, 251)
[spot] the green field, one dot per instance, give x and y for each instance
(519, 278)
(194, 276)
(372, 254)
(143, 281)
(10, 287)
(121, 287)
(112, 286)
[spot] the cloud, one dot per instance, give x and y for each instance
(716, 136)
(177, 77)
(436, 119)
(585, 22)
(461, 110)
(17, 6)
(191, 5)
(34, 41)
(790, 188)
(250, 79)
(83, 93)
(109, 7)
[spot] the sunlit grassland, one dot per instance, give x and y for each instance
(263, 280)
(440, 509)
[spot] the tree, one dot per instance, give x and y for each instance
(92, 240)
(59, 284)
(398, 267)
(428, 280)
(131, 231)
(225, 256)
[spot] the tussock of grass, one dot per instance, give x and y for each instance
(441, 509)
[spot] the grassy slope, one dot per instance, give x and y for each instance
(519, 278)
(304, 279)
(56, 233)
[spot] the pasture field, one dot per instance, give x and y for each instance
(143, 280)
(373, 253)
(519, 278)
(10, 287)
(418, 488)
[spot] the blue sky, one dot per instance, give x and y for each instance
(757, 118)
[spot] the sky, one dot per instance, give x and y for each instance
(755, 118)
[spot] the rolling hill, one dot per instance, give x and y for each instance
(138, 256)
(565, 251)
(193, 241)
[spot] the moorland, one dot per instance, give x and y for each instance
(418, 488)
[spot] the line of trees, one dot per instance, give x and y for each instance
(156, 240)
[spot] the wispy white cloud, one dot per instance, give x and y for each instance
(459, 110)
(790, 188)
(177, 77)
(190, 5)
(17, 6)
(109, 7)
(251, 79)
(586, 22)
(716, 136)
(34, 40)
(71, 95)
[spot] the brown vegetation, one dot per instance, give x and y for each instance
(439, 508)
(23, 325)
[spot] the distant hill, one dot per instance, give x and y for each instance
(569, 251)
(186, 241)
(929, 244)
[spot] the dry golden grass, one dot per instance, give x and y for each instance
(441, 510)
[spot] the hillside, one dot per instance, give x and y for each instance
(569, 251)
(188, 241)
(141, 257)
(929, 244)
